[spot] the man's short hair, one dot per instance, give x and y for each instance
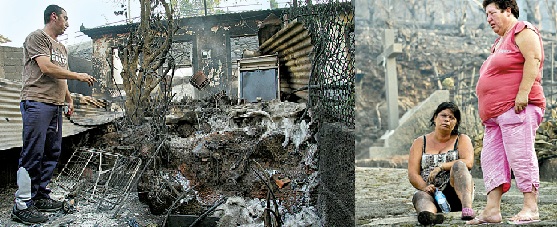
(52, 9)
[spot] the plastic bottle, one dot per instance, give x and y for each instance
(442, 201)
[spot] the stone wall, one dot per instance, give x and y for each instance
(239, 44)
(83, 50)
(11, 62)
(11, 67)
(181, 51)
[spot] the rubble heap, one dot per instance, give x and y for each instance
(214, 151)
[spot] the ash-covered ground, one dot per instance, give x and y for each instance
(86, 214)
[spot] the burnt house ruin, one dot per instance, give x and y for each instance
(265, 137)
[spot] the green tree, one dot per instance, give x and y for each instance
(4, 39)
(274, 4)
(189, 8)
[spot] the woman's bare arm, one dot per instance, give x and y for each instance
(414, 167)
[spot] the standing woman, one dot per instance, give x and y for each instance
(442, 160)
(511, 105)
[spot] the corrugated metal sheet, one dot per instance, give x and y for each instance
(293, 46)
(86, 116)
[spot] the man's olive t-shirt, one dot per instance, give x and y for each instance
(36, 85)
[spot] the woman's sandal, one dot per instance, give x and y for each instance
(518, 220)
(479, 221)
(467, 214)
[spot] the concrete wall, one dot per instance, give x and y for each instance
(239, 44)
(11, 62)
(211, 55)
(413, 123)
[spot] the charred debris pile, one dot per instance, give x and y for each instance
(242, 163)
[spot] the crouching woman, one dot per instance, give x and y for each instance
(442, 160)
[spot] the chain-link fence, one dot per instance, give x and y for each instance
(332, 101)
(331, 88)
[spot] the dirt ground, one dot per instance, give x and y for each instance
(384, 197)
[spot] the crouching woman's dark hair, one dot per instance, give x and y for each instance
(452, 107)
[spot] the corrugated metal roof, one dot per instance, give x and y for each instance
(293, 45)
(86, 116)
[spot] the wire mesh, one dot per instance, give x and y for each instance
(331, 88)
(98, 176)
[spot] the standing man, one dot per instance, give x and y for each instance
(42, 97)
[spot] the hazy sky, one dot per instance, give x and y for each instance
(20, 17)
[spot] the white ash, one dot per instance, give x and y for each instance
(297, 133)
(186, 185)
(219, 123)
(311, 185)
(309, 159)
(238, 212)
(305, 218)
